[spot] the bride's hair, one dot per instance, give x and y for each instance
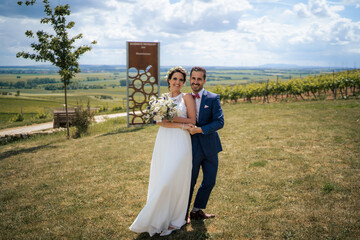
(171, 72)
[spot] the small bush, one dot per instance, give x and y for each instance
(17, 118)
(103, 109)
(328, 187)
(82, 120)
(116, 108)
(104, 97)
(41, 115)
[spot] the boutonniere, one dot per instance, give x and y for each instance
(206, 106)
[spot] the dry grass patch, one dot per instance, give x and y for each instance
(288, 171)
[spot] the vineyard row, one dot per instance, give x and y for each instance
(344, 84)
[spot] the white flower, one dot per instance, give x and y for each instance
(172, 69)
(161, 108)
(158, 118)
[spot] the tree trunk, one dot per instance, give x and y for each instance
(346, 91)
(342, 95)
(334, 92)
(66, 110)
(314, 94)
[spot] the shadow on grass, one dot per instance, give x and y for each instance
(199, 232)
(23, 150)
(122, 130)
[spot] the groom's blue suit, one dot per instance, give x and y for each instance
(206, 146)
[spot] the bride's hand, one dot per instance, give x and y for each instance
(187, 126)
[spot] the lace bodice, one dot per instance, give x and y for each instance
(180, 105)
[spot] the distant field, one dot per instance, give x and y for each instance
(30, 102)
(79, 77)
(214, 74)
(110, 94)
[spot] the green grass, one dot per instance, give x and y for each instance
(288, 171)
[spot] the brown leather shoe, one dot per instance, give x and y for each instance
(199, 215)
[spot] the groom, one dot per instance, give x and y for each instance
(205, 142)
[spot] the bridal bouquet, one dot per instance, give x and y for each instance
(160, 108)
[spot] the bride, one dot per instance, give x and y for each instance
(171, 164)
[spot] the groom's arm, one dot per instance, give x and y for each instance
(217, 121)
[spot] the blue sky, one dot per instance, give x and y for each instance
(201, 32)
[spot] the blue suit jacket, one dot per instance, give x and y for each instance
(210, 120)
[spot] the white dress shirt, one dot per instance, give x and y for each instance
(198, 102)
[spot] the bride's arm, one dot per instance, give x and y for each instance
(191, 111)
(169, 124)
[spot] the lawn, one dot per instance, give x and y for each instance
(288, 171)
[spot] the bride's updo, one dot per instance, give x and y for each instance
(173, 70)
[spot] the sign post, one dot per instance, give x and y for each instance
(143, 72)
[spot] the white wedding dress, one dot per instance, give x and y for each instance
(170, 179)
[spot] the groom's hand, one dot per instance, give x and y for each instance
(195, 130)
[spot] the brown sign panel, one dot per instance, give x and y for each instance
(142, 78)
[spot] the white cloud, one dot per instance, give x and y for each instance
(205, 32)
(302, 10)
(188, 15)
(351, 1)
(323, 24)
(318, 8)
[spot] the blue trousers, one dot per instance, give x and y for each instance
(209, 166)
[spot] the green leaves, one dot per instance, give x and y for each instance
(27, 3)
(29, 34)
(56, 48)
(70, 25)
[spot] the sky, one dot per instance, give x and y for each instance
(199, 32)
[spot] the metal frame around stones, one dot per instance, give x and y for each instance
(136, 84)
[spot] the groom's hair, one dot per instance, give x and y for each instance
(199, 69)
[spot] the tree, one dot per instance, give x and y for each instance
(122, 83)
(57, 48)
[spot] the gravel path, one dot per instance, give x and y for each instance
(49, 125)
